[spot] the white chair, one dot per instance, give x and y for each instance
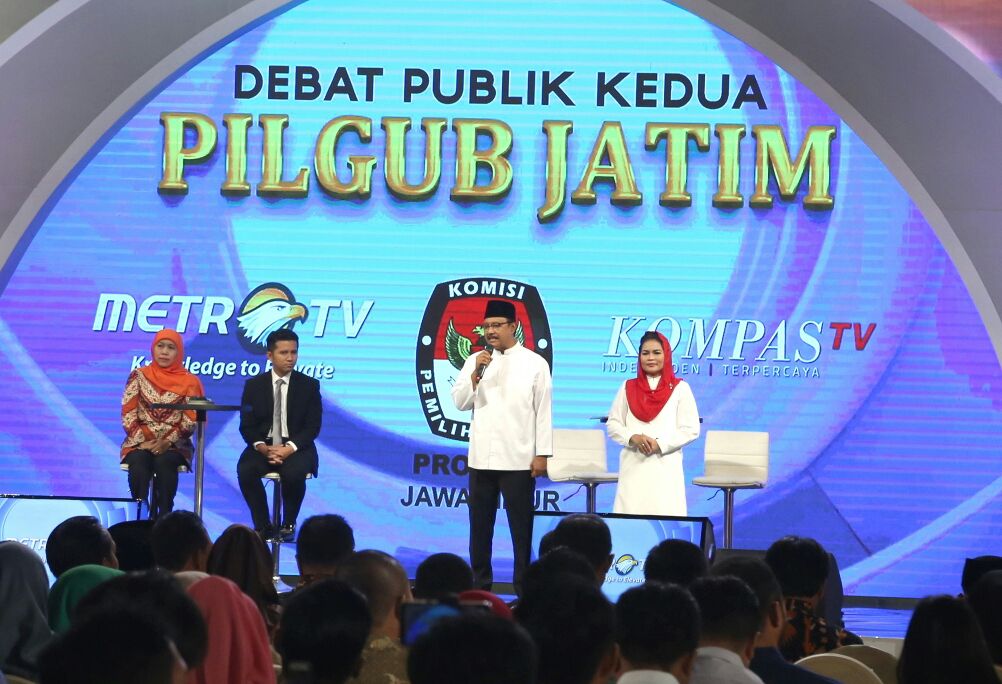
(883, 664)
(734, 460)
(276, 520)
(890, 645)
(151, 505)
(579, 457)
(840, 668)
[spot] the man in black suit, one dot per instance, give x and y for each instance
(280, 420)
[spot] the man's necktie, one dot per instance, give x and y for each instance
(276, 416)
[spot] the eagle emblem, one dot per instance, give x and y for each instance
(625, 564)
(267, 308)
(458, 347)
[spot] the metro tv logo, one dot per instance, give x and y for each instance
(266, 307)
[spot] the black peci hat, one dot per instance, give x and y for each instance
(498, 308)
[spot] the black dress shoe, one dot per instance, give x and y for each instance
(287, 533)
(267, 533)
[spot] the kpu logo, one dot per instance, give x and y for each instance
(451, 331)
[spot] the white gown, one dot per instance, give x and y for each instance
(653, 484)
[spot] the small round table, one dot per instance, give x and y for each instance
(199, 406)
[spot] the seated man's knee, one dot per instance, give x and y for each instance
(299, 471)
(248, 468)
(294, 475)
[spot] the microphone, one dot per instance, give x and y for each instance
(483, 367)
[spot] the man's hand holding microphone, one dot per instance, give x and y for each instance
(483, 359)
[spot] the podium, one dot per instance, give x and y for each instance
(200, 406)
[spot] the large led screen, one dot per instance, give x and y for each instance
(369, 174)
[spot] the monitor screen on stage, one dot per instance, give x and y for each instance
(633, 536)
(31, 519)
(370, 174)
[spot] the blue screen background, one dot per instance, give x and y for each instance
(888, 456)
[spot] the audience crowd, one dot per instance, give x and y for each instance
(162, 604)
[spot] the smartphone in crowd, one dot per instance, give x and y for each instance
(418, 616)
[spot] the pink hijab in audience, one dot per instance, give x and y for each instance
(238, 652)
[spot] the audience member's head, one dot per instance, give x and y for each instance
(70, 588)
(676, 561)
(561, 560)
(759, 577)
(383, 582)
(159, 595)
(238, 647)
(547, 543)
(442, 574)
(944, 645)
(587, 534)
(180, 542)
(323, 630)
(572, 625)
(800, 564)
(113, 647)
(24, 623)
(322, 543)
(985, 599)
(551, 569)
(133, 544)
(239, 554)
(976, 568)
(657, 628)
(729, 613)
(473, 649)
(80, 540)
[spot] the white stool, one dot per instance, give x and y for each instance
(276, 520)
(579, 457)
(734, 460)
(153, 490)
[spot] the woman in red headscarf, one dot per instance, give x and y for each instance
(158, 441)
(653, 417)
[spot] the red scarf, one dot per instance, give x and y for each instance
(646, 403)
(174, 378)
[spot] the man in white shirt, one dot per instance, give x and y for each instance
(730, 624)
(511, 436)
(657, 629)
